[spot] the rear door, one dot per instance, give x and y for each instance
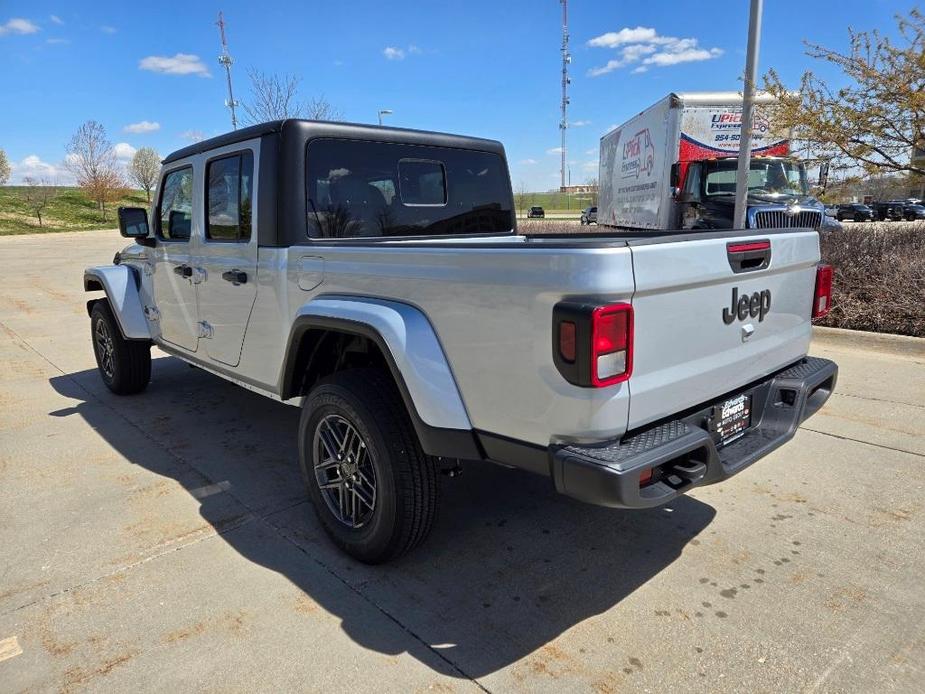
(174, 291)
(227, 259)
(707, 321)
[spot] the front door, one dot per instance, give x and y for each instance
(228, 253)
(174, 275)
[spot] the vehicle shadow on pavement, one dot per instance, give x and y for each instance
(508, 568)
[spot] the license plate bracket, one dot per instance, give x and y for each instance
(732, 418)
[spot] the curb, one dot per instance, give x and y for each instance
(901, 345)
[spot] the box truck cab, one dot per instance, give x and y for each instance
(674, 166)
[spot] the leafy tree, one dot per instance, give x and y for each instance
(878, 117)
(37, 194)
(144, 169)
(4, 168)
(274, 97)
(92, 160)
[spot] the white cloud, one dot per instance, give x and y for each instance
(414, 50)
(593, 150)
(193, 135)
(392, 53)
(106, 29)
(33, 166)
(579, 123)
(180, 64)
(18, 25)
(57, 41)
(144, 126)
(56, 19)
(644, 48)
(554, 150)
(612, 39)
(590, 165)
(528, 162)
(124, 150)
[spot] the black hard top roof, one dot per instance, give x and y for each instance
(299, 131)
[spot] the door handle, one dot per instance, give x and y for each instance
(183, 270)
(236, 277)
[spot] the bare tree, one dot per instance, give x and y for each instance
(877, 118)
(144, 169)
(90, 157)
(4, 168)
(274, 97)
(522, 194)
(37, 195)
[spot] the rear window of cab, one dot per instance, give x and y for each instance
(361, 189)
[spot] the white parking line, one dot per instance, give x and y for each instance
(210, 489)
(9, 648)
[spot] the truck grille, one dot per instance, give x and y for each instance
(781, 219)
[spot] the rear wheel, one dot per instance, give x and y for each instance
(124, 365)
(373, 488)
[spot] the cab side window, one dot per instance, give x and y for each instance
(175, 209)
(229, 187)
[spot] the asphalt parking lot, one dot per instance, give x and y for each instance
(163, 542)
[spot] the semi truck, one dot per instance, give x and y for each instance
(673, 166)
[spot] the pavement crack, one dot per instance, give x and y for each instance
(886, 400)
(866, 443)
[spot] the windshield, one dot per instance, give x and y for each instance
(363, 189)
(766, 177)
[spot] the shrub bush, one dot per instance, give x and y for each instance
(879, 277)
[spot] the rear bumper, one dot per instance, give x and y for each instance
(683, 453)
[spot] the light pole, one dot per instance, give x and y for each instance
(384, 112)
(745, 138)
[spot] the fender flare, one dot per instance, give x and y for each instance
(120, 284)
(415, 357)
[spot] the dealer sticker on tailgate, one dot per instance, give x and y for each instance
(732, 418)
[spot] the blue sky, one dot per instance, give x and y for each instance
(481, 68)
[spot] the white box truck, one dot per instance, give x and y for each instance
(673, 166)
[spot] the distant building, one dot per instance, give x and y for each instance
(585, 188)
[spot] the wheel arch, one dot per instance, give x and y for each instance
(120, 284)
(399, 338)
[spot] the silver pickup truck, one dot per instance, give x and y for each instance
(375, 278)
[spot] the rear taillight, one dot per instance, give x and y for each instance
(593, 344)
(822, 298)
(611, 342)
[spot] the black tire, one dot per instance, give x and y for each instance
(124, 365)
(405, 479)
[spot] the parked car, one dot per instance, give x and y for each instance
(536, 212)
(887, 211)
(830, 224)
(914, 212)
(831, 210)
(589, 215)
(628, 369)
(854, 211)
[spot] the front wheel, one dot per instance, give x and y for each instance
(373, 488)
(124, 365)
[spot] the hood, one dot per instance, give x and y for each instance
(758, 200)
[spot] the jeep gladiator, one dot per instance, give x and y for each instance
(375, 277)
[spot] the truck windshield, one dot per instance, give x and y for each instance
(359, 189)
(767, 177)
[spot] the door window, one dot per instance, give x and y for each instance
(229, 189)
(175, 210)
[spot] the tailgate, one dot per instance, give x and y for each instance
(690, 345)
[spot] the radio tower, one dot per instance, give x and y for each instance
(566, 59)
(226, 60)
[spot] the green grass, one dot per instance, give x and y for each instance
(553, 202)
(69, 210)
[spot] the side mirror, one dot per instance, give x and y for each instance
(133, 222)
(675, 175)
